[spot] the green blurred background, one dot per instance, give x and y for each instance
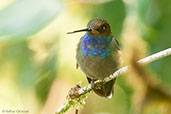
(37, 57)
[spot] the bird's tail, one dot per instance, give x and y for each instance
(105, 90)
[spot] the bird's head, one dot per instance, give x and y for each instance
(97, 26)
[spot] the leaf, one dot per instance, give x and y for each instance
(26, 17)
(94, 1)
(155, 16)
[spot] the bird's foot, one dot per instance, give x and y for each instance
(97, 85)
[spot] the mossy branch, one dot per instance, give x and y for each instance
(87, 89)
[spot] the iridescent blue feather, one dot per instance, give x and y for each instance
(95, 46)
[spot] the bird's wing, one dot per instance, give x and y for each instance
(116, 43)
(77, 66)
(117, 54)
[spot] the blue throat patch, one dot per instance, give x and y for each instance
(95, 45)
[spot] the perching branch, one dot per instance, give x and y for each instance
(86, 89)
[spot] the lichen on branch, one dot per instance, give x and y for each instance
(81, 92)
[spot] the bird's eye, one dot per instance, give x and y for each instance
(101, 28)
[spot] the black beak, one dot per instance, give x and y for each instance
(82, 30)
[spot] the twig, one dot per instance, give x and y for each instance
(88, 88)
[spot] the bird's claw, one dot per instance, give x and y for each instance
(96, 85)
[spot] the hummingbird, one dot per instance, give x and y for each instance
(97, 55)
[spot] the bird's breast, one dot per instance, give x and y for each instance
(95, 58)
